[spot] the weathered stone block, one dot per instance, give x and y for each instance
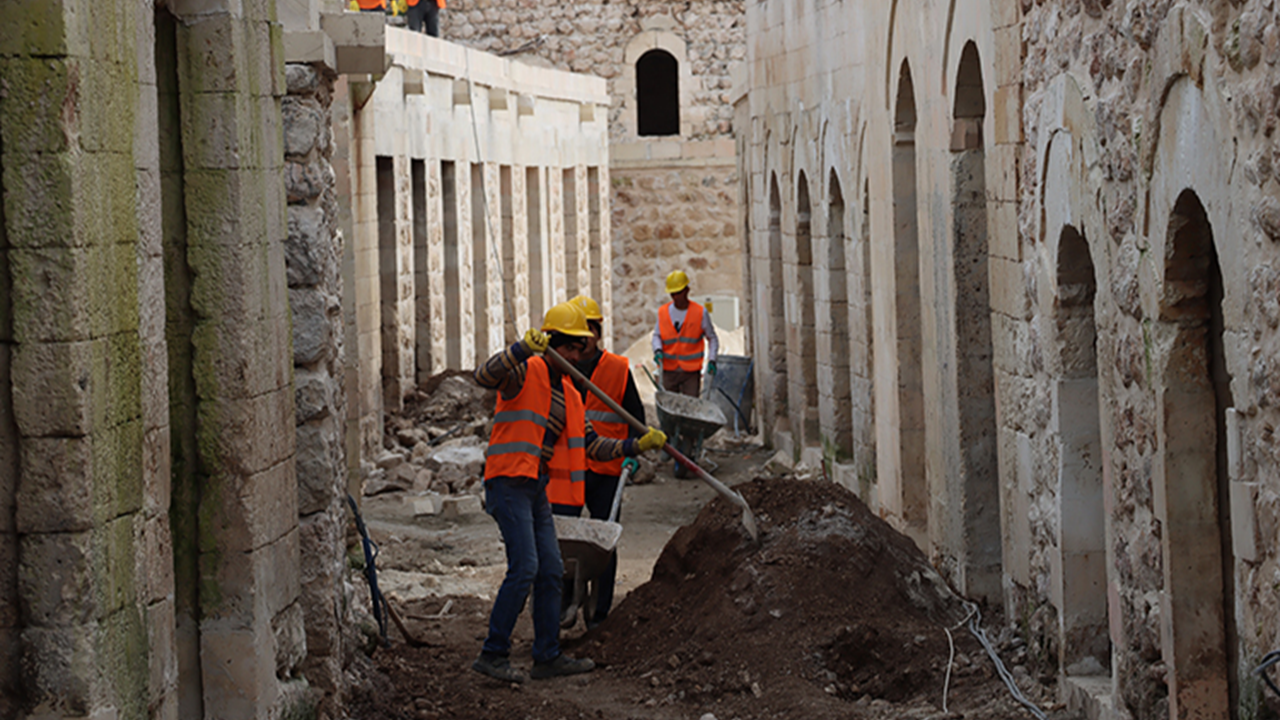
(245, 685)
(312, 328)
(213, 54)
(56, 490)
(318, 461)
(53, 388)
(314, 395)
(457, 506)
(246, 513)
(155, 560)
(290, 639)
(38, 205)
(8, 593)
(162, 656)
(36, 28)
(247, 436)
(33, 117)
(1244, 535)
(53, 660)
(56, 579)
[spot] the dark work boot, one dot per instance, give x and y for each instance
(562, 665)
(497, 667)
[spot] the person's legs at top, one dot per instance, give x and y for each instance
(546, 583)
(600, 491)
(432, 17)
(414, 15)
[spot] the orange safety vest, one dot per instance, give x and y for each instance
(371, 4)
(519, 424)
(610, 376)
(682, 350)
(568, 467)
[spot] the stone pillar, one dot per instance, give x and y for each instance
(520, 300)
(313, 262)
(466, 269)
(555, 235)
(395, 270)
(72, 346)
(581, 264)
(604, 218)
(367, 400)
(251, 631)
(436, 269)
(493, 263)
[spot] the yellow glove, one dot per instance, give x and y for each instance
(652, 440)
(536, 340)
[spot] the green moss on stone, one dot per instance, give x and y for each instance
(124, 653)
(38, 199)
(33, 27)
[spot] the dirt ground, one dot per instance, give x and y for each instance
(831, 615)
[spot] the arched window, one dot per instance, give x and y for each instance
(658, 94)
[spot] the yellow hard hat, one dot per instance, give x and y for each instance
(567, 318)
(677, 281)
(589, 307)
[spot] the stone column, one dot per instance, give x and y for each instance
(313, 262)
(555, 235)
(604, 216)
(251, 624)
(436, 269)
(72, 346)
(497, 306)
(367, 292)
(520, 249)
(466, 268)
(581, 265)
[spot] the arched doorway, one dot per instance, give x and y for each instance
(801, 330)
(1198, 565)
(835, 399)
(913, 487)
(1080, 585)
(977, 483)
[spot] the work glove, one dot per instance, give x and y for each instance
(652, 440)
(711, 368)
(657, 358)
(536, 340)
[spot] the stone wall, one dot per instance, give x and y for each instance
(667, 219)
(314, 262)
(1070, 210)
(679, 186)
(477, 206)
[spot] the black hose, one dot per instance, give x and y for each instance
(380, 607)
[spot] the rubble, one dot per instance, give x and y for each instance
(435, 448)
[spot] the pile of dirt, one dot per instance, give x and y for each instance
(831, 596)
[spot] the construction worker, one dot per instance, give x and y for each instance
(425, 12)
(540, 431)
(683, 338)
(369, 5)
(612, 374)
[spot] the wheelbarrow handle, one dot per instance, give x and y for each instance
(748, 518)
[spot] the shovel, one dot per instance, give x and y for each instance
(748, 519)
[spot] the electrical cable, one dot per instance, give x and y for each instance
(974, 622)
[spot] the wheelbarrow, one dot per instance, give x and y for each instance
(686, 420)
(586, 547)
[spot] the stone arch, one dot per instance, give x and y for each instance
(644, 42)
(777, 342)
(973, 483)
(801, 321)
(833, 337)
(912, 496)
(1193, 404)
(657, 94)
(1079, 584)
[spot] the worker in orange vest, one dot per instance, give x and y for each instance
(540, 431)
(428, 11)
(372, 5)
(612, 374)
(683, 339)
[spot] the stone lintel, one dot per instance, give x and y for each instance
(310, 46)
(359, 41)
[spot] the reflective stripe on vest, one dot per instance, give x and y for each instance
(610, 376)
(567, 471)
(683, 349)
(519, 425)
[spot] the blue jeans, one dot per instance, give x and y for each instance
(520, 507)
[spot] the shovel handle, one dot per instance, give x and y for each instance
(747, 518)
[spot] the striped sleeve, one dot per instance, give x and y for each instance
(504, 371)
(603, 449)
